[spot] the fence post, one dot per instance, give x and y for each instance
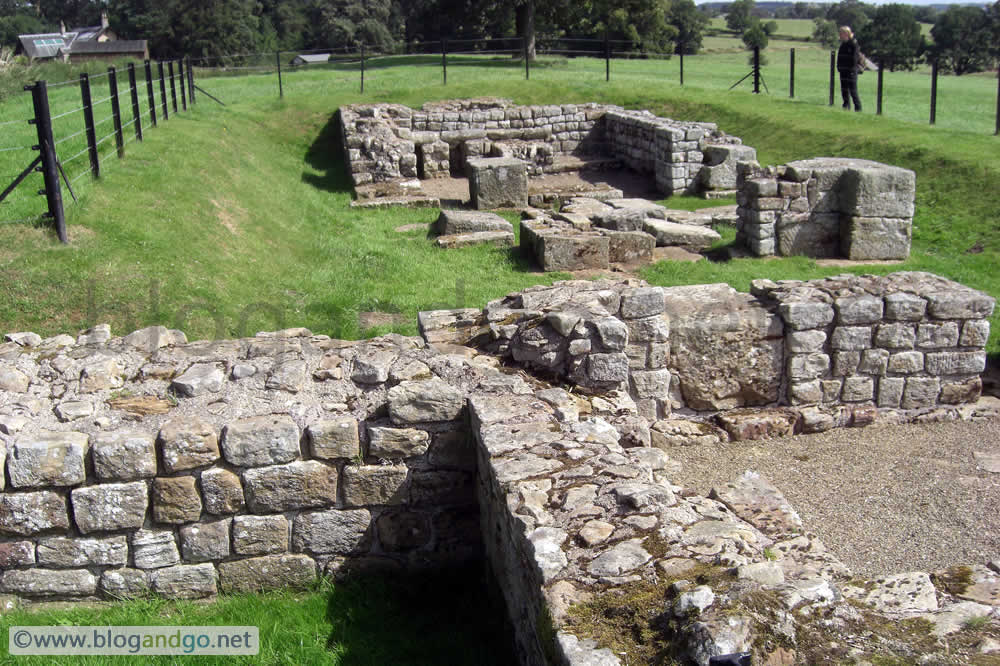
(150, 94)
(163, 91)
(682, 64)
(934, 77)
(180, 75)
(527, 69)
(997, 130)
(50, 166)
(88, 119)
(362, 68)
(791, 75)
(116, 112)
(756, 70)
(444, 59)
(134, 94)
(607, 56)
(173, 87)
(277, 61)
(190, 70)
(833, 68)
(881, 69)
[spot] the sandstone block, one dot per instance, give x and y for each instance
(906, 362)
(13, 380)
(608, 367)
(473, 238)
(960, 304)
(807, 366)
(199, 379)
(810, 235)
(339, 532)
(920, 392)
(943, 334)
(100, 375)
(466, 221)
(16, 554)
(297, 485)
(335, 438)
(26, 514)
(48, 459)
(903, 306)
(110, 506)
(222, 491)
(851, 338)
(846, 363)
(854, 310)
(188, 443)
(260, 535)
(205, 542)
(397, 443)
(366, 485)
(123, 455)
(67, 553)
(124, 583)
(805, 342)
(261, 440)
(154, 549)
(975, 333)
(876, 238)
(627, 247)
(176, 500)
(425, 401)
(268, 572)
(896, 336)
(557, 252)
(48, 583)
(651, 383)
(671, 234)
(641, 302)
(497, 182)
(186, 581)
(955, 363)
(890, 391)
(858, 389)
(806, 315)
(288, 376)
(874, 361)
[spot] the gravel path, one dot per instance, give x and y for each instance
(884, 499)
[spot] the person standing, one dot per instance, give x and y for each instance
(849, 64)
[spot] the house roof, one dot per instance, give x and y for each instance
(90, 33)
(314, 57)
(45, 45)
(137, 46)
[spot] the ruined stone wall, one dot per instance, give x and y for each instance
(148, 464)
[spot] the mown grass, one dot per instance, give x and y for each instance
(442, 618)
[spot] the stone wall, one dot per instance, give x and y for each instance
(385, 142)
(827, 207)
(148, 464)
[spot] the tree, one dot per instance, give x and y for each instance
(770, 27)
(925, 14)
(755, 36)
(892, 38)
(962, 38)
(993, 18)
(850, 13)
(825, 32)
(19, 24)
(690, 22)
(739, 15)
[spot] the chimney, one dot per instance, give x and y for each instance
(104, 19)
(62, 27)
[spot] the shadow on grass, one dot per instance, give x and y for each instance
(448, 617)
(326, 155)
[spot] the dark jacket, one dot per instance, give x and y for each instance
(849, 58)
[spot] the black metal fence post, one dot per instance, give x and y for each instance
(150, 94)
(182, 86)
(362, 68)
(173, 87)
(878, 94)
(116, 112)
(682, 64)
(163, 91)
(756, 70)
(791, 75)
(444, 59)
(134, 94)
(277, 61)
(527, 69)
(934, 77)
(190, 70)
(50, 165)
(833, 69)
(607, 56)
(997, 130)
(88, 119)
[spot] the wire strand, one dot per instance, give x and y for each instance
(67, 161)
(71, 136)
(9, 150)
(63, 115)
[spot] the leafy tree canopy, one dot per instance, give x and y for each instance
(962, 40)
(739, 15)
(892, 38)
(825, 32)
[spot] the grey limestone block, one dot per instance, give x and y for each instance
(338, 532)
(66, 553)
(267, 572)
(205, 542)
(185, 581)
(222, 491)
(260, 535)
(261, 440)
(497, 182)
(124, 455)
(188, 443)
(26, 514)
(48, 459)
(297, 485)
(49, 583)
(110, 506)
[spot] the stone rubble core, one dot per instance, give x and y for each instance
(146, 464)
(387, 144)
(826, 207)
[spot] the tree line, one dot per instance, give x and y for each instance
(203, 28)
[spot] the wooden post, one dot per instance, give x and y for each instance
(173, 87)
(163, 92)
(444, 59)
(878, 94)
(682, 64)
(116, 112)
(756, 70)
(934, 77)
(607, 56)
(277, 61)
(833, 69)
(997, 130)
(190, 81)
(88, 119)
(362, 68)
(134, 91)
(180, 75)
(150, 94)
(791, 75)
(50, 165)
(527, 68)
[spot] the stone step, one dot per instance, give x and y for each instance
(495, 238)
(404, 202)
(685, 235)
(571, 163)
(695, 218)
(721, 214)
(451, 222)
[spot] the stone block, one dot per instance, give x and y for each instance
(626, 219)
(890, 391)
(68, 553)
(831, 389)
(335, 438)
(154, 549)
(975, 333)
(877, 190)
(906, 363)
(649, 329)
(471, 239)
(26, 514)
(955, 363)
(807, 366)
(815, 235)
(16, 554)
(260, 535)
(268, 572)
(49, 583)
(672, 234)
(124, 583)
(855, 310)
(199, 379)
(124, 455)
(931, 335)
(955, 393)
(205, 542)
(874, 361)
(809, 392)
(48, 459)
(876, 238)
(858, 389)
(337, 532)
(442, 488)
(110, 506)
(846, 363)
(186, 581)
(903, 306)
(13, 380)
(297, 485)
(366, 485)
(630, 246)
(611, 367)
(896, 336)
(466, 221)
(187, 444)
(100, 375)
(573, 252)
(806, 315)
(804, 342)
(851, 338)
(403, 531)
(612, 334)
(425, 401)
(960, 304)
(920, 392)
(397, 443)
(222, 491)
(261, 440)
(497, 182)
(176, 500)
(651, 383)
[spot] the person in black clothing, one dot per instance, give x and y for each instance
(849, 64)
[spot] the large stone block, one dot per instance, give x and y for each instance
(48, 583)
(468, 221)
(877, 190)
(337, 532)
(187, 581)
(123, 455)
(25, 514)
(297, 485)
(630, 246)
(920, 392)
(110, 506)
(268, 572)
(199, 379)
(397, 443)
(669, 234)
(17, 554)
(222, 491)
(48, 459)
(188, 443)
(497, 182)
(425, 401)
(67, 553)
(124, 583)
(176, 500)
(335, 438)
(955, 363)
(260, 535)
(205, 542)
(261, 440)
(366, 485)
(960, 304)
(876, 238)
(154, 549)
(572, 252)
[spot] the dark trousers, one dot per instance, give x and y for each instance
(849, 91)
